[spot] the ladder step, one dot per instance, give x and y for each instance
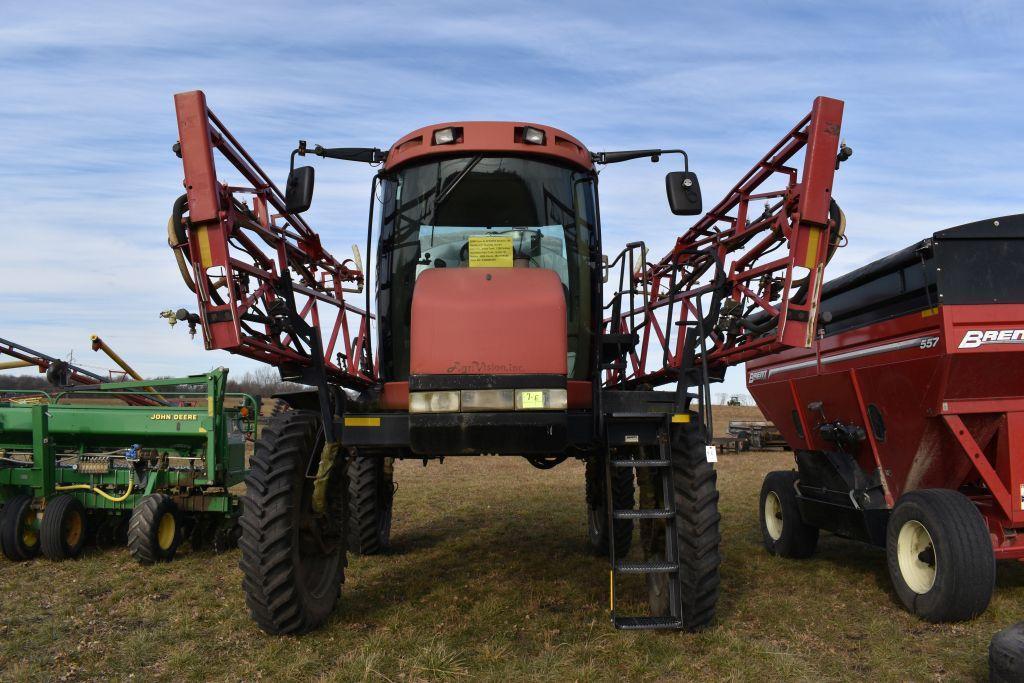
(646, 567)
(645, 623)
(643, 514)
(640, 463)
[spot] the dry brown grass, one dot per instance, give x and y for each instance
(490, 579)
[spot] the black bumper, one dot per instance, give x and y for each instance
(511, 433)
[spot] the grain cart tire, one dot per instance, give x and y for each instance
(62, 532)
(155, 529)
(19, 535)
(696, 496)
(1006, 655)
(623, 497)
(940, 555)
(371, 498)
(293, 560)
(783, 530)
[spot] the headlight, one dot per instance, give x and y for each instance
(488, 399)
(541, 399)
(434, 402)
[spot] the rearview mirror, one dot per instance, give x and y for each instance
(298, 194)
(683, 193)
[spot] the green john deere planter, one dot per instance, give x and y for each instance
(153, 461)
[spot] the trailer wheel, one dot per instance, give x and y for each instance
(293, 560)
(623, 497)
(783, 530)
(19, 533)
(154, 530)
(371, 498)
(1006, 655)
(940, 555)
(63, 529)
(696, 496)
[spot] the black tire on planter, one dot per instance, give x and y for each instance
(1006, 655)
(19, 536)
(623, 496)
(696, 497)
(955, 552)
(293, 561)
(155, 529)
(783, 530)
(63, 530)
(371, 499)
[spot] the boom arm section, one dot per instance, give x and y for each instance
(266, 287)
(741, 283)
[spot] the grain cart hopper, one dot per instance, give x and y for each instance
(493, 336)
(109, 455)
(906, 417)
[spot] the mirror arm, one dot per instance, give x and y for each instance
(653, 154)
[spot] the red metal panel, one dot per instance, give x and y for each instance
(496, 137)
(500, 321)
(197, 156)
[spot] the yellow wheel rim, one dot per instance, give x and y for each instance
(916, 555)
(29, 536)
(773, 515)
(165, 531)
(73, 528)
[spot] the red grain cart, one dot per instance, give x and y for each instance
(906, 417)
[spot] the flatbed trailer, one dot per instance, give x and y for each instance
(95, 458)
(906, 417)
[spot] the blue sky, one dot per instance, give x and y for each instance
(934, 93)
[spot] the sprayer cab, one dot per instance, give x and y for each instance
(489, 277)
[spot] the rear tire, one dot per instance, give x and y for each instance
(293, 561)
(698, 537)
(154, 530)
(19, 533)
(371, 498)
(63, 530)
(940, 555)
(783, 530)
(623, 497)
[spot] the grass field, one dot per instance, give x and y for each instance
(490, 579)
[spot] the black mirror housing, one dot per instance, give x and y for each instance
(683, 193)
(298, 194)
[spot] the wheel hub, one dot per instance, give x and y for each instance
(916, 555)
(773, 515)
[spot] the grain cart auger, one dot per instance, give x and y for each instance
(493, 336)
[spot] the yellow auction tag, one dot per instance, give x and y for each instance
(490, 252)
(533, 399)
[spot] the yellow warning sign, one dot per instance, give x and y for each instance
(533, 399)
(490, 252)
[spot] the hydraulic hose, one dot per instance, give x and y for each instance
(86, 487)
(176, 238)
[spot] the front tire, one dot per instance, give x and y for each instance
(940, 555)
(293, 560)
(63, 530)
(371, 497)
(783, 530)
(154, 531)
(19, 532)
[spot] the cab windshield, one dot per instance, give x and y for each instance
(440, 213)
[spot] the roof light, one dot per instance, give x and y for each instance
(533, 136)
(444, 136)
